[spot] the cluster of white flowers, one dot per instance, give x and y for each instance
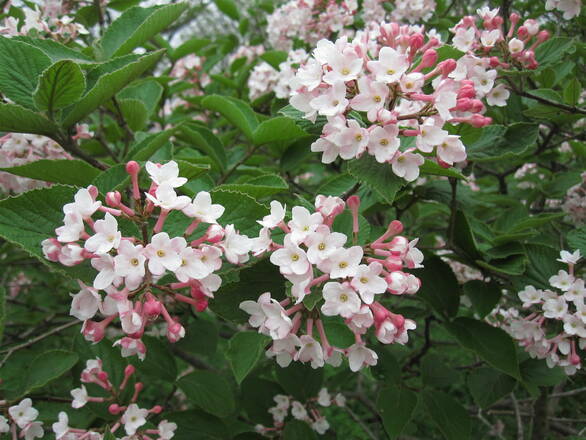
(51, 20)
(190, 68)
(308, 20)
(575, 203)
(570, 8)
(385, 72)
(560, 311)
(23, 418)
(346, 280)
(308, 412)
(19, 149)
(264, 79)
(413, 10)
(132, 416)
(129, 268)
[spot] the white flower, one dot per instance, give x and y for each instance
(4, 426)
(167, 199)
(72, 228)
(129, 263)
(133, 418)
(310, 351)
(322, 244)
(106, 237)
(85, 205)
(85, 303)
(23, 413)
(275, 217)
(340, 299)
(345, 67)
(516, 46)
(104, 264)
(384, 142)
(303, 223)
(576, 293)
(324, 398)
(167, 174)
(284, 350)
(291, 259)
(332, 102)
(320, 426)
(339, 400)
(298, 410)
(429, 136)
(368, 282)
(236, 247)
(555, 308)
(202, 208)
(573, 325)
(191, 266)
(255, 310)
(570, 258)
(61, 427)
(530, 295)
(498, 96)
(164, 253)
(80, 397)
(464, 39)
(166, 430)
(33, 430)
(562, 280)
(360, 356)
(407, 165)
(343, 263)
(391, 65)
(361, 321)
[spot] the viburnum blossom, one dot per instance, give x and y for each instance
(391, 75)
(130, 416)
(22, 421)
(308, 412)
(570, 8)
(555, 330)
(575, 203)
(126, 284)
(337, 279)
(19, 149)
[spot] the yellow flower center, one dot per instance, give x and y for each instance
(384, 142)
(134, 261)
(295, 257)
(343, 265)
(363, 280)
(377, 98)
(321, 246)
(343, 297)
(345, 71)
(160, 253)
(390, 71)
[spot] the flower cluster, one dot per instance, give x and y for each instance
(23, 418)
(264, 79)
(129, 268)
(189, 68)
(308, 20)
(51, 21)
(132, 417)
(308, 413)
(19, 149)
(516, 48)
(413, 10)
(344, 281)
(570, 8)
(557, 323)
(575, 203)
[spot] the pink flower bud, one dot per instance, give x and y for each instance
(152, 307)
(138, 386)
(157, 409)
(115, 409)
(113, 198)
(215, 233)
(103, 376)
(416, 42)
(93, 191)
(429, 58)
(447, 67)
(497, 21)
(522, 32)
(514, 18)
(543, 36)
(129, 370)
(478, 121)
(132, 168)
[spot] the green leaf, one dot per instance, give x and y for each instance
(17, 119)
(2, 311)
(542, 265)
(434, 169)
(436, 373)
(148, 91)
(300, 380)
(135, 27)
(259, 398)
(395, 406)
(439, 286)
(245, 349)
(208, 391)
(107, 86)
(377, 176)
(277, 129)
(31, 217)
(206, 141)
(66, 171)
(201, 337)
(197, 425)
(536, 372)
(483, 295)
(241, 210)
(274, 58)
(298, 430)
(20, 69)
(193, 45)
(572, 91)
(237, 112)
(553, 50)
(577, 240)
(49, 366)
(134, 112)
(450, 417)
(145, 148)
(60, 85)
(492, 344)
(160, 362)
(488, 386)
(306, 125)
(229, 8)
(464, 237)
(497, 142)
(54, 50)
(258, 187)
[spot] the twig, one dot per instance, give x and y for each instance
(30, 342)
(237, 164)
(363, 425)
(520, 434)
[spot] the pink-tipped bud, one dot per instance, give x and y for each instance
(215, 233)
(429, 58)
(494, 62)
(543, 36)
(132, 168)
(395, 227)
(138, 387)
(393, 263)
(152, 307)
(476, 106)
(353, 202)
(514, 18)
(113, 199)
(416, 42)
(93, 191)
(497, 21)
(466, 91)
(175, 332)
(103, 376)
(157, 409)
(115, 409)
(574, 359)
(447, 66)
(522, 32)
(129, 370)
(479, 121)
(463, 104)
